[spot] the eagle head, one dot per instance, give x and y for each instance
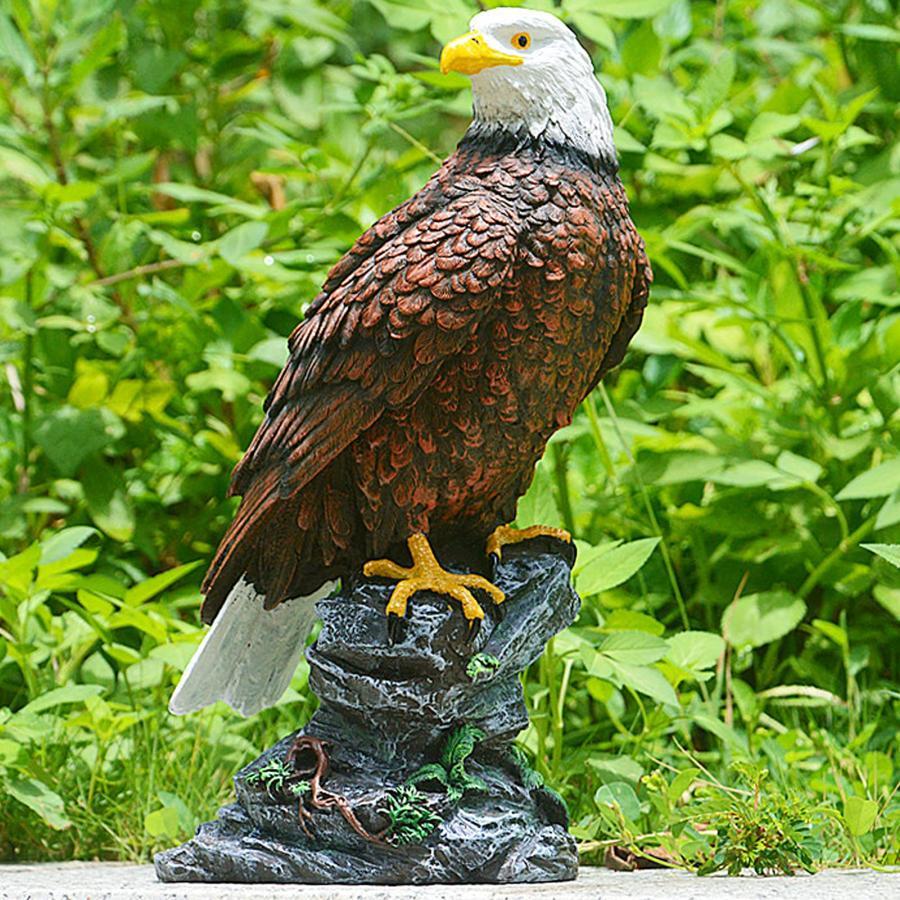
(530, 75)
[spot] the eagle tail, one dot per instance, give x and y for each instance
(249, 655)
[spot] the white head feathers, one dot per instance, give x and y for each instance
(552, 94)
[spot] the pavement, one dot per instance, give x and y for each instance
(121, 881)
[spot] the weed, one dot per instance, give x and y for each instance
(411, 818)
(450, 773)
(274, 775)
(482, 667)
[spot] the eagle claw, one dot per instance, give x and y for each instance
(504, 535)
(426, 574)
(396, 628)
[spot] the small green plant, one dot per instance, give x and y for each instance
(696, 821)
(451, 772)
(482, 667)
(299, 788)
(531, 779)
(411, 819)
(765, 831)
(273, 776)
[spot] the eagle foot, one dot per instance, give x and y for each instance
(426, 574)
(504, 535)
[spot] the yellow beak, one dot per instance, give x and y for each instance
(470, 53)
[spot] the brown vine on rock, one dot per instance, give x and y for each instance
(309, 759)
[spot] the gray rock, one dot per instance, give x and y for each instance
(387, 710)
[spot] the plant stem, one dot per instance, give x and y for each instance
(560, 473)
(553, 700)
(27, 390)
(651, 515)
(594, 422)
(783, 234)
(843, 547)
(138, 272)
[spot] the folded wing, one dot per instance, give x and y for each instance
(408, 295)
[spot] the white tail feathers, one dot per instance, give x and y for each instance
(249, 654)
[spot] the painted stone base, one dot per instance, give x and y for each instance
(388, 710)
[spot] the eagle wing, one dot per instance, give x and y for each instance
(408, 295)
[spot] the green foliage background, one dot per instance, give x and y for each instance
(175, 180)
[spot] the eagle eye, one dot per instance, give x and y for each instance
(522, 40)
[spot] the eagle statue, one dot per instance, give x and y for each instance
(445, 348)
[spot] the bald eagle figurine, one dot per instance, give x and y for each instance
(445, 348)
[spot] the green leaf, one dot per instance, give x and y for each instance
(715, 83)
(645, 680)
(695, 651)
(429, 772)
(642, 50)
(726, 146)
(626, 142)
(890, 552)
(71, 693)
(189, 193)
(751, 473)
(613, 567)
(662, 99)
(871, 32)
(229, 382)
(622, 795)
(759, 619)
(147, 673)
(629, 620)
(859, 815)
(626, 9)
(889, 598)
(802, 469)
(38, 797)
(59, 545)
(13, 48)
(10, 752)
(104, 43)
(271, 350)
(681, 782)
(162, 822)
(771, 124)
(238, 242)
(538, 504)
(889, 514)
(635, 647)
(587, 19)
(877, 482)
(833, 632)
(14, 164)
(407, 15)
(678, 468)
(724, 732)
(616, 768)
(186, 819)
(108, 503)
(69, 436)
(158, 583)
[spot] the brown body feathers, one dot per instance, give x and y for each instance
(451, 341)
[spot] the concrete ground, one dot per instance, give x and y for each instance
(110, 881)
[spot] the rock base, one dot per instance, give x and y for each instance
(418, 738)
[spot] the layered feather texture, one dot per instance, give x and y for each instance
(445, 348)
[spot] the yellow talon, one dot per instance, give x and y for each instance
(506, 534)
(426, 574)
